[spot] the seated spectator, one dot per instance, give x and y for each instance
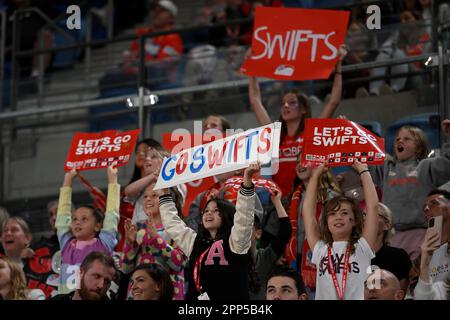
(392, 259)
(13, 284)
(16, 239)
(382, 285)
(434, 275)
(151, 282)
(97, 271)
(284, 283)
(163, 48)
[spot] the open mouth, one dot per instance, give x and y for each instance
(338, 225)
(9, 241)
(400, 148)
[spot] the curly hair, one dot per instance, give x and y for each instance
(18, 289)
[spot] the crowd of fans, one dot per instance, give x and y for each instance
(309, 239)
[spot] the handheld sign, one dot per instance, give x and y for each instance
(295, 44)
(100, 150)
(340, 142)
(224, 155)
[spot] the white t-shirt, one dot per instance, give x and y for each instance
(358, 271)
(439, 264)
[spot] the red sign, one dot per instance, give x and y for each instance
(295, 44)
(233, 185)
(193, 188)
(100, 150)
(340, 142)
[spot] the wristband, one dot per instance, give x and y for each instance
(360, 173)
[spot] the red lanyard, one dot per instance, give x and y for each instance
(344, 274)
(197, 268)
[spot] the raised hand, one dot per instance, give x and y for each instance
(112, 173)
(249, 171)
(342, 52)
(130, 232)
(319, 170)
(276, 195)
(69, 176)
(360, 167)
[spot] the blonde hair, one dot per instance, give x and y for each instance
(384, 211)
(18, 289)
(419, 138)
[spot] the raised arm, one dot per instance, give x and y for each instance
(254, 94)
(63, 215)
(134, 189)
(312, 230)
(112, 202)
(336, 91)
(285, 229)
(370, 229)
(241, 232)
(183, 236)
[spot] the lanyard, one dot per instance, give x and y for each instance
(197, 268)
(344, 274)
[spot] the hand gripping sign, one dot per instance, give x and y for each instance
(295, 44)
(100, 150)
(340, 142)
(224, 155)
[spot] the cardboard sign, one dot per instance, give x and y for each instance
(340, 142)
(295, 44)
(193, 188)
(224, 155)
(100, 150)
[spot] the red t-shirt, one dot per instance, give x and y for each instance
(290, 147)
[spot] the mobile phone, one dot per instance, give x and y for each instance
(435, 226)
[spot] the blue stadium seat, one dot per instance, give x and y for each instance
(421, 121)
(67, 58)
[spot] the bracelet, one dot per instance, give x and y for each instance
(360, 173)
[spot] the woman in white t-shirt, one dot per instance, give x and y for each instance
(343, 239)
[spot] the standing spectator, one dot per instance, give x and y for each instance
(264, 258)
(86, 230)
(382, 285)
(392, 259)
(405, 182)
(284, 283)
(97, 271)
(342, 252)
(13, 284)
(295, 108)
(151, 282)
(153, 244)
(218, 252)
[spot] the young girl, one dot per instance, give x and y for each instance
(298, 253)
(218, 252)
(405, 182)
(343, 250)
(81, 232)
(13, 285)
(295, 108)
(149, 243)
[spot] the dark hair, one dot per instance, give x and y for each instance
(335, 204)
(226, 212)
(442, 192)
(287, 271)
(303, 102)
(161, 276)
(96, 212)
(223, 121)
(99, 256)
(152, 143)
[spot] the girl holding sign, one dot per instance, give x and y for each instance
(85, 230)
(295, 108)
(218, 252)
(343, 251)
